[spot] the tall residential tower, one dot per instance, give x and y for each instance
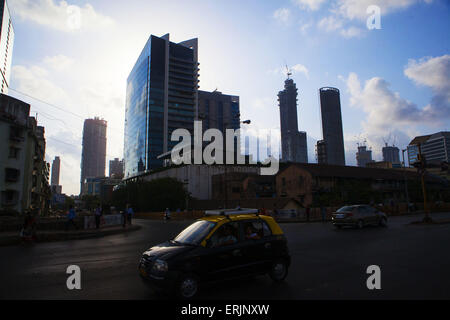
(162, 96)
(293, 143)
(93, 159)
(332, 144)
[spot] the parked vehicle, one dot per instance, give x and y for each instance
(358, 216)
(225, 244)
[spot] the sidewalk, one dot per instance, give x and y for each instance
(13, 238)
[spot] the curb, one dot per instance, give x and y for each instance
(63, 236)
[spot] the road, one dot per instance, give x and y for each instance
(326, 264)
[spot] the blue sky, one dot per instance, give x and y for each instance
(394, 81)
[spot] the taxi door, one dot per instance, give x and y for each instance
(223, 259)
(257, 246)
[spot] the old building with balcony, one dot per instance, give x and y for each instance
(24, 173)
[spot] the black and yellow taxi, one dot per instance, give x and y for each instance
(223, 245)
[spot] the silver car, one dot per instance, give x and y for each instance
(358, 216)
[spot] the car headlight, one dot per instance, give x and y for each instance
(160, 266)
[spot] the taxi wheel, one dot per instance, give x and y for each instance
(278, 271)
(187, 287)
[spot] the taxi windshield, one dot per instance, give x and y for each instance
(195, 233)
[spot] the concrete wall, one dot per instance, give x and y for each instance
(199, 177)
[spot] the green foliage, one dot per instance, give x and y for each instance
(151, 196)
(91, 202)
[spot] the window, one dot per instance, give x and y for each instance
(236, 190)
(11, 175)
(14, 153)
(226, 235)
(255, 230)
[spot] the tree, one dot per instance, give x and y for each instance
(155, 195)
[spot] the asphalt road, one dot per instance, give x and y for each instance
(326, 264)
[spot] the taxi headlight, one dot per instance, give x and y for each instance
(160, 266)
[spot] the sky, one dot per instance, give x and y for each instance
(71, 60)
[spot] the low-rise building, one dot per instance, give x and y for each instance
(312, 184)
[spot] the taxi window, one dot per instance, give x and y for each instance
(227, 234)
(255, 230)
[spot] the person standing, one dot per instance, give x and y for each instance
(71, 218)
(98, 215)
(323, 211)
(307, 213)
(130, 213)
(167, 214)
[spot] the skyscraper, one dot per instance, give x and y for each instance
(6, 45)
(391, 154)
(293, 143)
(93, 159)
(162, 96)
(363, 156)
(219, 111)
(116, 168)
(333, 136)
(55, 171)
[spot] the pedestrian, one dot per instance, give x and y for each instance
(323, 211)
(71, 218)
(124, 217)
(307, 213)
(130, 214)
(167, 214)
(98, 215)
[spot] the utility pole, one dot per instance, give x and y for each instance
(424, 191)
(406, 180)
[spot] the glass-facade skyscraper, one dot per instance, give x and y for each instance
(162, 96)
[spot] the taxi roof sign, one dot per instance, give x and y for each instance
(228, 212)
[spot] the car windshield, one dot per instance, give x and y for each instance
(195, 233)
(345, 209)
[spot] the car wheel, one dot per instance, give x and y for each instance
(279, 271)
(187, 287)
(360, 224)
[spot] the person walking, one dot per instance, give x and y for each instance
(71, 215)
(98, 215)
(323, 211)
(130, 213)
(307, 213)
(167, 214)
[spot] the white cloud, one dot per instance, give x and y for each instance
(352, 32)
(59, 62)
(304, 27)
(330, 23)
(282, 15)
(60, 15)
(386, 109)
(299, 68)
(309, 4)
(357, 9)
